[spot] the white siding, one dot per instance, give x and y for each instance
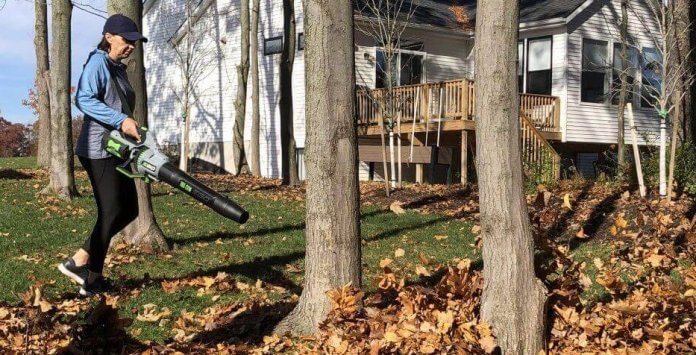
(212, 117)
(559, 59)
(593, 122)
(271, 25)
(447, 56)
(163, 75)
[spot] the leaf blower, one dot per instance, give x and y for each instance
(144, 161)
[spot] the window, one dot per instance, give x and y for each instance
(651, 70)
(300, 42)
(594, 71)
(273, 45)
(520, 66)
(411, 69)
(539, 66)
(631, 71)
(382, 70)
(406, 68)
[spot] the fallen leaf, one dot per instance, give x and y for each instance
(566, 202)
(488, 344)
(399, 253)
(396, 207)
(655, 260)
(391, 337)
(422, 271)
(581, 234)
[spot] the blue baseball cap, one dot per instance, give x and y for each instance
(123, 26)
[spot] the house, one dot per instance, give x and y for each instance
(568, 65)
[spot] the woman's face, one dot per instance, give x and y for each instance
(121, 48)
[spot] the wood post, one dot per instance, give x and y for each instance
(419, 167)
(464, 157)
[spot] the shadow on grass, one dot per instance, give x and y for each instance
(597, 218)
(432, 199)
(396, 231)
(101, 329)
(251, 325)
(259, 268)
(561, 224)
(261, 232)
(12, 174)
(264, 188)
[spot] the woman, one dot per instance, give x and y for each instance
(106, 97)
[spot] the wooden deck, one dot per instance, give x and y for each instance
(447, 109)
(445, 106)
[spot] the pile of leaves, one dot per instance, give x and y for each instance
(411, 319)
(39, 326)
(641, 298)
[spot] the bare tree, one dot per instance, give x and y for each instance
(144, 232)
(287, 131)
(186, 59)
(513, 298)
(242, 78)
(679, 9)
(681, 98)
(62, 175)
(192, 45)
(624, 87)
(333, 207)
(385, 22)
(255, 148)
(672, 77)
(42, 77)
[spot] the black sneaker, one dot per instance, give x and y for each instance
(100, 285)
(77, 273)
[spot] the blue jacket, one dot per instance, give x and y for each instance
(100, 103)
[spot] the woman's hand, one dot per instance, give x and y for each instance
(130, 128)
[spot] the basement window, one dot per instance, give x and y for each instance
(300, 42)
(273, 45)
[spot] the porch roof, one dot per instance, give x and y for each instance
(438, 13)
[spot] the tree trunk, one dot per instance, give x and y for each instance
(240, 103)
(624, 87)
(287, 134)
(673, 146)
(513, 299)
(144, 232)
(691, 94)
(255, 114)
(42, 72)
(62, 174)
(332, 255)
(186, 71)
(684, 59)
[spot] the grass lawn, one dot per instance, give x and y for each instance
(37, 232)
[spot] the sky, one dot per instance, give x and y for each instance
(17, 56)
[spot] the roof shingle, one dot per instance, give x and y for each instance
(438, 13)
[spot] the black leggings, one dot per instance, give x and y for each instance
(117, 206)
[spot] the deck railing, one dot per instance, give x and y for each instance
(450, 100)
(455, 100)
(538, 156)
